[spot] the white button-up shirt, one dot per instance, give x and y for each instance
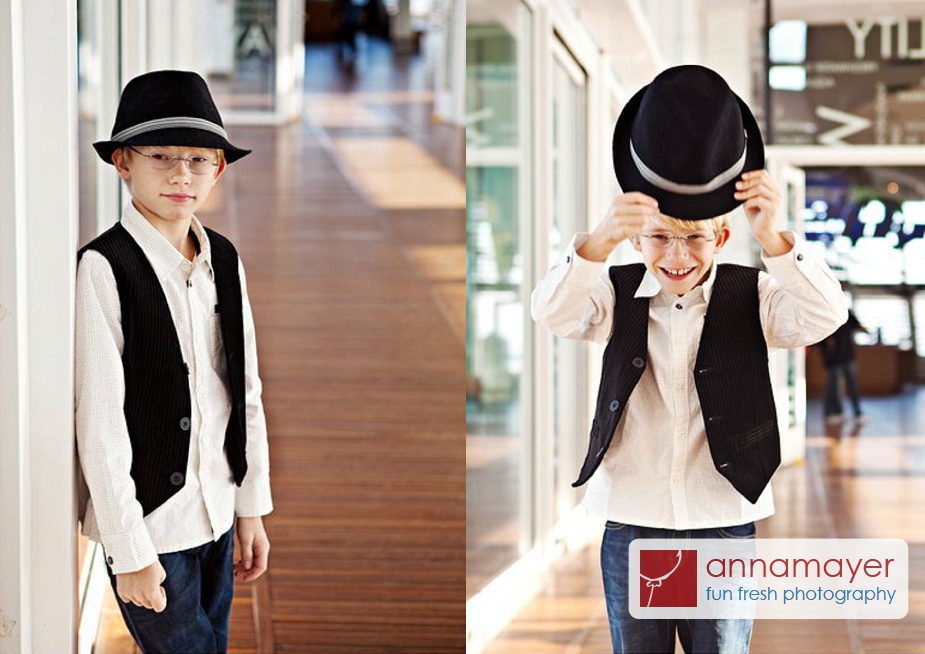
(205, 507)
(658, 471)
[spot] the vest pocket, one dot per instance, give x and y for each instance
(756, 435)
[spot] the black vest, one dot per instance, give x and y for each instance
(157, 399)
(730, 373)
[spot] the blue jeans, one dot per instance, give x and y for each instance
(833, 401)
(631, 635)
(199, 587)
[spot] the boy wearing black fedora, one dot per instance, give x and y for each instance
(170, 425)
(684, 439)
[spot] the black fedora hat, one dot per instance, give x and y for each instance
(685, 139)
(168, 107)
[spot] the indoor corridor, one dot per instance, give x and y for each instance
(351, 227)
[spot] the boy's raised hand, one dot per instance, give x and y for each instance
(254, 547)
(762, 202)
(143, 588)
(627, 217)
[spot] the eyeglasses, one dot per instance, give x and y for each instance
(197, 164)
(693, 242)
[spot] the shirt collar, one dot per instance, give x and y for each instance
(162, 255)
(650, 288)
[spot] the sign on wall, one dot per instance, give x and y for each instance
(858, 82)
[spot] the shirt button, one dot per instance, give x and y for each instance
(799, 257)
(109, 560)
(678, 306)
(614, 405)
(176, 479)
(638, 362)
(568, 259)
(184, 424)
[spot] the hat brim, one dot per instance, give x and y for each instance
(185, 137)
(686, 207)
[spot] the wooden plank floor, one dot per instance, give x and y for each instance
(355, 265)
(864, 482)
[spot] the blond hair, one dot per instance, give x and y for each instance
(677, 225)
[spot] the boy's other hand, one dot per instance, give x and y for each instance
(252, 547)
(143, 588)
(762, 202)
(627, 217)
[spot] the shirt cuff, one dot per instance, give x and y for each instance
(581, 272)
(788, 262)
(129, 552)
(253, 500)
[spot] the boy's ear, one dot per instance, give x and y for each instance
(636, 241)
(221, 168)
(119, 161)
(722, 237)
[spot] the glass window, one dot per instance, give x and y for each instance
(497, 178)
(568, 209)
(89, 73)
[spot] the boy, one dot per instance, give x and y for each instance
(684, 439)
(170, 426)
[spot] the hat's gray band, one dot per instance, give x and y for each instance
(688, 189)
(170, 123)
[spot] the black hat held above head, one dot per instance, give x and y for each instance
(168, 107)
(685, 139)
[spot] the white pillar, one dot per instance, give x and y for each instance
(402, 36)
(38, 87)
(50, 162)
(725, 49)
(15, 619)
(450, 69)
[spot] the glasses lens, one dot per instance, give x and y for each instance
(159, 160)
(200, 165)
(693, 242)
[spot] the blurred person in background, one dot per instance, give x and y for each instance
(838, 355)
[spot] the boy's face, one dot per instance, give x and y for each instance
(173, 194)
(679, 260)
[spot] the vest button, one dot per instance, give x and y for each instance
(184, 424)
(109, 560)
(176, 479)
(614, 405)
(638, 362)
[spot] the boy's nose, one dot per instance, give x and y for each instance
(680, 248)
(181, 168)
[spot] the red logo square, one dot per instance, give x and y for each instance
(667, 578)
